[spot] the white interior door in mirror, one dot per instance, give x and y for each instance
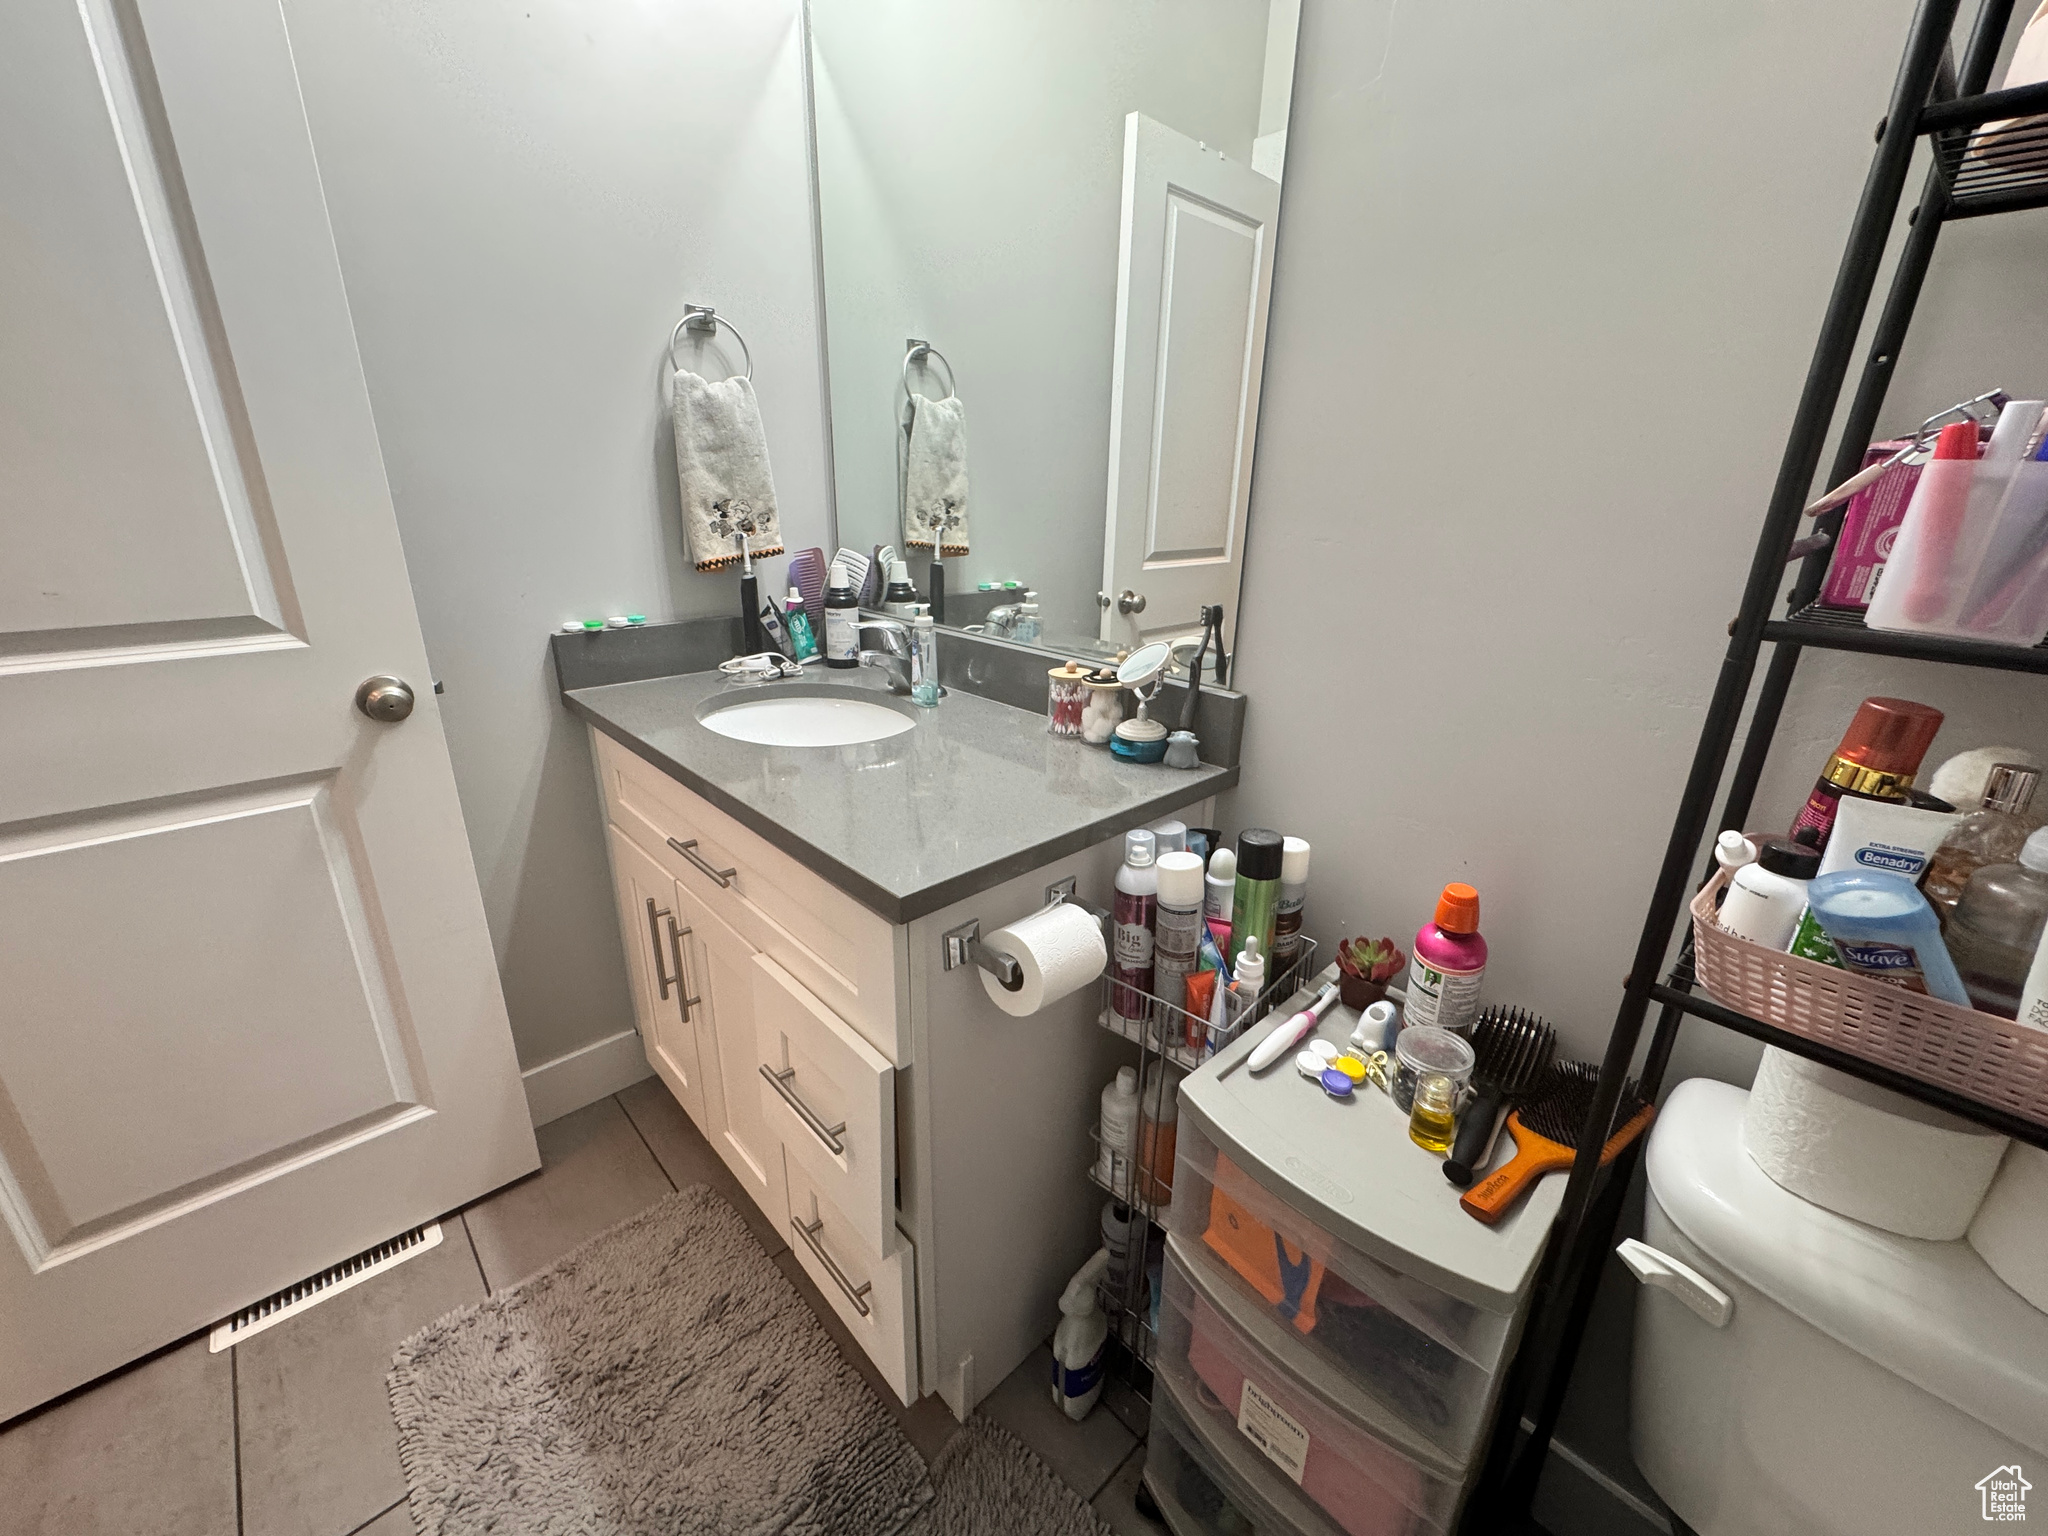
(1194, 276)
(250, 1022)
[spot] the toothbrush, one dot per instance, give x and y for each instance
(1285, 1037)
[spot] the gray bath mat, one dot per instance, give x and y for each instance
(663, 1378)
(990, 1485)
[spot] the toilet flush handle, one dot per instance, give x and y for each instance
(1654, 1268)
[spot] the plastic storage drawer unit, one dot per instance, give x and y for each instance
(1366, 1483)
(1426, 1357)
(1209, 1487)
(1326, 1217)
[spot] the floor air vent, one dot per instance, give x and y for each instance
(332, 1281)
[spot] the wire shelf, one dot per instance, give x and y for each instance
(1843, 629)
(1166, 1035)
(1992, 165)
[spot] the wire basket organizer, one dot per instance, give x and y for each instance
(1167, 1036)
(1996, 1061)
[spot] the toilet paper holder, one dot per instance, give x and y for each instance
(963, 946)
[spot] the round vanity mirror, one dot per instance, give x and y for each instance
(1143, 666)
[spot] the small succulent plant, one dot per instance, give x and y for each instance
(1371, 959)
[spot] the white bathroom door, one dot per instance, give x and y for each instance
(250, 1022)
(1194, 277)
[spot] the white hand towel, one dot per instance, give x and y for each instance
(935, 476)
(722, 466)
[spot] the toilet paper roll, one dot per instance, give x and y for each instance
(1866, 1152)
(2011, 1230)
(1060, 950)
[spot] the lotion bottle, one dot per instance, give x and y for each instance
(1767, 898)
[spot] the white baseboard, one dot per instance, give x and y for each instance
(584, 1075)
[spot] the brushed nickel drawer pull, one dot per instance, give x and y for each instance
(828, 1134)
(654, 917)
(689, 851)
(854, 1293)
(675, 953)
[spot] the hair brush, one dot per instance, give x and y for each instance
(1545, 1130)
(1514, 1050)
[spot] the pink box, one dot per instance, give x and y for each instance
(1869, 527)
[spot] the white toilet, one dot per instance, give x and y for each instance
(1800, 1372)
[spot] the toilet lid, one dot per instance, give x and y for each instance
(1932, 1313)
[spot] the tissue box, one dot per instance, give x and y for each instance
(1870, 525)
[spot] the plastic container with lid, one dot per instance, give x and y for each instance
(1767, 895)
(1066, 699)
(1426, 1051)
(1996, 928)
(1363, 1480)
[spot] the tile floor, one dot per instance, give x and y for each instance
(289, 1434)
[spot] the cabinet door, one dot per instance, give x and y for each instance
(662, 1004)
(718, 967)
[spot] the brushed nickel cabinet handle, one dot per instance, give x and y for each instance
(689, 851)
(828, 1134)
(675, 954)
(854, 1293)
(654, 916)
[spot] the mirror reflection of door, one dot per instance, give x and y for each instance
(1097, 285)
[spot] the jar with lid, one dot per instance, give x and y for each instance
(1066, 700)
(1105, 709)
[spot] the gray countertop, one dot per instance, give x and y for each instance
(975, 794)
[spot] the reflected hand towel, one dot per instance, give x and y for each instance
(935, 476)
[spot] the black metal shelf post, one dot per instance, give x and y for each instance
(1927, 100)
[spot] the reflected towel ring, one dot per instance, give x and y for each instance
(923, 350)
(702, 317)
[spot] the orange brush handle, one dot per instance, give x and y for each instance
(1535, 1155)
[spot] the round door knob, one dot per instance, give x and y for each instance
(1130, 602)
(1102, 599)
(384, 698)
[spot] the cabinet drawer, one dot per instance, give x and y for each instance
(830, 1097)
(843, 952)
(874, 1293)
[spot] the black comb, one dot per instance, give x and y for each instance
(1513, 1048)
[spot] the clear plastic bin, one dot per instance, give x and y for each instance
(1243, 1404)
(1208, 1489)
(1424, 1358)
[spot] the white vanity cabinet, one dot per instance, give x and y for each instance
(923, 1152)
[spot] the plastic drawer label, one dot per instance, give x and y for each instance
(1273, 1430)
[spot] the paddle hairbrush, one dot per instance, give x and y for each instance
(1513, 1050)
(1545, 1129)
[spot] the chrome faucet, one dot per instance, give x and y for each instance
(894, 658)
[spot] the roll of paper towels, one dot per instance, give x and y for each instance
(2011, 1230)
(1866, 1152)
(1059, 950)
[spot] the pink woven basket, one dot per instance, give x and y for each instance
(1995, 1061)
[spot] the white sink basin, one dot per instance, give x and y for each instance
(807, 720)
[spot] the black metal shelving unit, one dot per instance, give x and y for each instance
(1932, 98)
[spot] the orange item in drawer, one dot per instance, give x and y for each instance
(1287, 1277)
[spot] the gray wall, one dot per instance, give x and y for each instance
(971, 174)
(524, 197)
(1547, 285)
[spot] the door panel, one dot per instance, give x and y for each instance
(1194, 278)
(250, 1021)
(831, 1099)
(654, 946)
(719, 970)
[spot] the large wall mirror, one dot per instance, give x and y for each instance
(1047, 231)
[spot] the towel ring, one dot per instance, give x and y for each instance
(924, 350)
(702, 317)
